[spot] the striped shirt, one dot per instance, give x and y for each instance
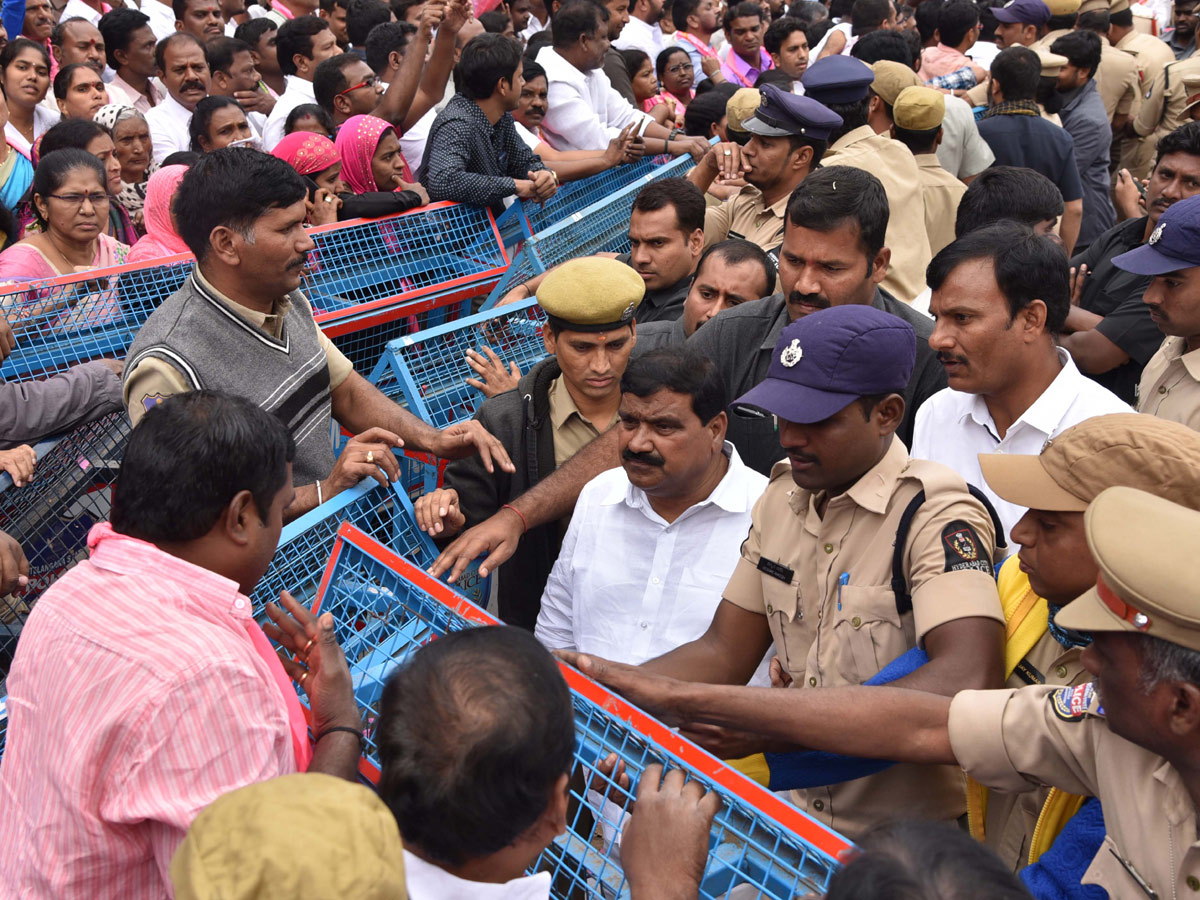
(136, 698)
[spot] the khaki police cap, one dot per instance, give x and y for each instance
(919, 109)
(1118, 6)
(1145, 547)
(1092, 5)
(1051, 62)
(592, 293)
(249, 844)
(740, 107)
(1191, 90)
(1128, 449)
(1062, 7)
(891, 78)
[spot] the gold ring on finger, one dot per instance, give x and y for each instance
(307, 647)
(303, 676)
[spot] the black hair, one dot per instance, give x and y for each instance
(1027, 266)
(320, 113)
(634, 60)
(832, 195)
(220, 53)
(385, 39)
(202, 117)
(329, 77)
(664, 58)
(1059, 23)
(680, 12)
(817, 30)
(918, 860)
(777, 77)
(808, 12)
(179, 8)
(400, 8)
(161, 48)
(1094, 20)
(576, 19)
(1082, 50)
(182, 158)
(840, 9)
(916, 141)
(537, 42)
(926, 15)
(117, 27)
(473, 732)
(251, 32)
(707, 110)
(233, 186)
(1007, 192)
(362, 16)
(53, 168)
(1018, 71)
(56, 36)
(208, 447)
(779, 31)
(867, 15)
(683, 371)
(955, 19)
(854, 115)
(495, 21)
(532, 70)
(883, 45)
(16, 46)
(296, 38)
(744, 10)
(684, 197)
(1184, 139)
(735, 251)
(77, 133)
(486, 60)
(326, 6)
(62, 81)
(1122, 18)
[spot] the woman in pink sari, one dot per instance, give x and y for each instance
(376, 175)
(162, 238)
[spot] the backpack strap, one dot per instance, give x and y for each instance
(899, 582)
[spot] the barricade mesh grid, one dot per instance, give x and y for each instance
(51, 516)
(429, 369)
(386, 608)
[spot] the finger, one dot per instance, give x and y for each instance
(673, 781)
(651, 780)
(710, 804)
(387, 462)
(475, 383)
(299, 613)
(514, 370)
(379, 435)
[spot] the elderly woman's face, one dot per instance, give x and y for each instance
(131, 137)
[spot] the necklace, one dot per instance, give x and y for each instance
(70, 265)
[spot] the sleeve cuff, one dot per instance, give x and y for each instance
(745, 587)
(976, 727)
(955, 595)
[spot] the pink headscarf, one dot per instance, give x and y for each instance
(357, 141)
(161, 237)
(308, 153)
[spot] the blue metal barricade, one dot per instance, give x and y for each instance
(428, 370)
(386, 608)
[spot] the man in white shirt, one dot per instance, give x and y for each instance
(129, 45)
(162, 18)
(184, 72)
(302, 44)
(585, 113)
(643, 32)
(1000, 294)
(675, 515)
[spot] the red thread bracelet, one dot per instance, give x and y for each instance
(524, 524)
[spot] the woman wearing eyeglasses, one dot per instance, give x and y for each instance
(70, 201)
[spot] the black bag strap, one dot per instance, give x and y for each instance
(899, 582)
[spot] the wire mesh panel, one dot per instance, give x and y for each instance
(429, 369)
(385, 608)
(50, 517)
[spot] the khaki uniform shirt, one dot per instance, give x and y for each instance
(893, 164)
(1151, 53)
(1170, 385)
(1118, 81)
(1017, 740)
(828, 634)
(941, 192)
(1161, 111)
(156, 377)
(571, 430)
(745, 216)
(1050, 38)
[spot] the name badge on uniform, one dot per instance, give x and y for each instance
(775, 570)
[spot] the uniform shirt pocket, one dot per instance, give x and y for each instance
(781, 604)
(867, 633)
(1109, 870)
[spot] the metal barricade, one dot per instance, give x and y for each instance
(386, 608)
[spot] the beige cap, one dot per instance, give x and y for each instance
(1091, 5)
(891, 78)
(1062, 7)
(1145, 547)
(1051, 62)
(250, 844)
(1191, 89)
(1128, 449)
(1118, 6)
(740, 107)
(919, 109)
(591, 294)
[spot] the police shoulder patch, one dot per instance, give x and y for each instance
(152, 400)
(964, 549)
(1072, 704)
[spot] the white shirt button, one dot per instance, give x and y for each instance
(239, 603)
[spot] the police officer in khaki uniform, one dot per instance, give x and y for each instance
(1061, 21)
(1118, 78)
(816, 573)
(844, 83)
(1152, 54)
(1131, 738)
(1163, 110)
(1170, 384)
(1053, 567)
(917, 123)
(788, 135)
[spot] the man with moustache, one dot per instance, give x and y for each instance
(183, 68)
(1108, 331)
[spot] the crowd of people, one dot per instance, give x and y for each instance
(872, 465)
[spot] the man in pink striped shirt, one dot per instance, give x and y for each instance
(142, 688)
